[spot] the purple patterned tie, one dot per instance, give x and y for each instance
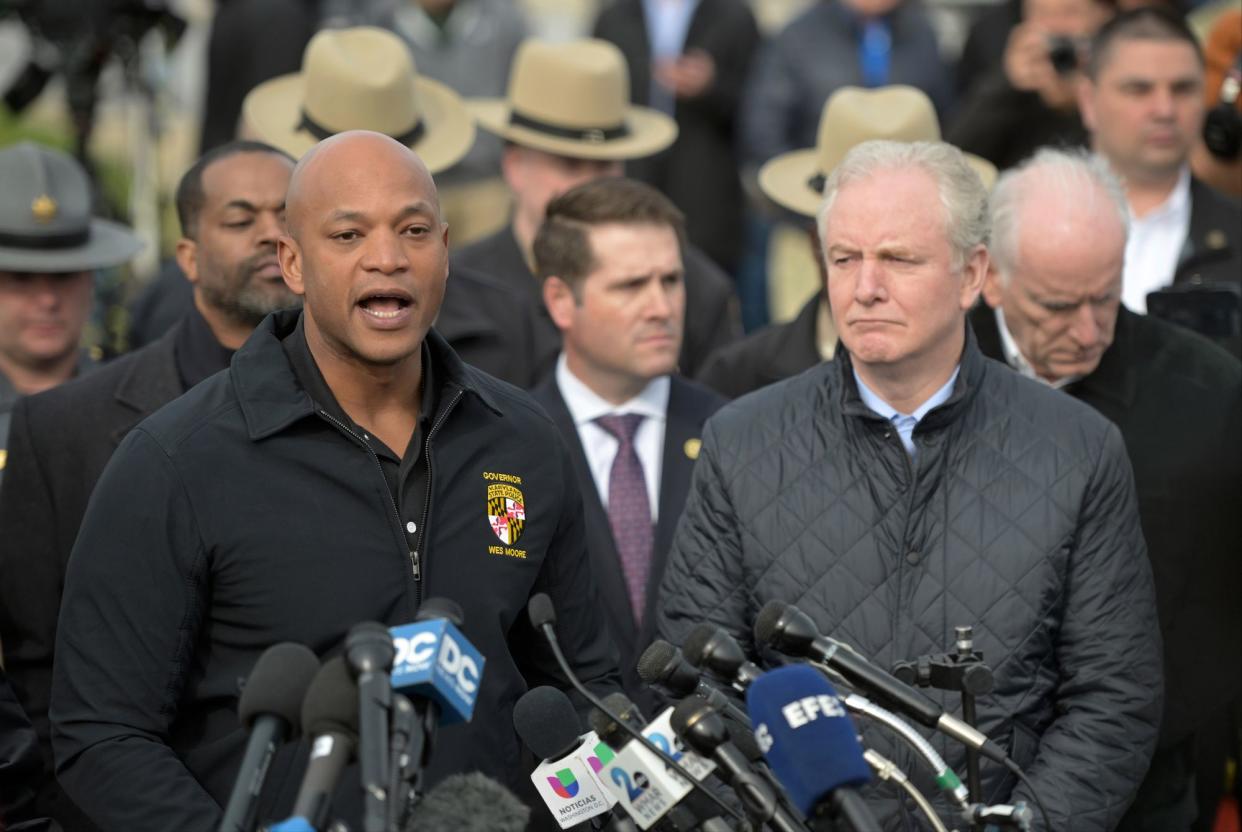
(629, 512)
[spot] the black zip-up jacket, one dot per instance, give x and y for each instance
(240, 516)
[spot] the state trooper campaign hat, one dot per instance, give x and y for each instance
(573, 99)
(45, 216)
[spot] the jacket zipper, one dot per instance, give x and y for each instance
(392, 501)
(422, 527)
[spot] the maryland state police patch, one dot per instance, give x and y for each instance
(506, 512)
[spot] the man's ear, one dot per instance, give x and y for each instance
(290, 256)
(993, 287)
(560, 300)
(974, 274)
(187, 259)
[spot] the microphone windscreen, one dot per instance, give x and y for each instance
(469, 803)
(811, 743)
(765, 621)
(331, 703)
(445, 608)
(541, 611)
(654, 661)
(692, 648)
(546, 721)
(277, 684)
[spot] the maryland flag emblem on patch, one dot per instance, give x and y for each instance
(506, 512)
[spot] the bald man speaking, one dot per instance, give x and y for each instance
(338, 472)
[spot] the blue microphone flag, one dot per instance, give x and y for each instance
(435, 661)
(807, 738)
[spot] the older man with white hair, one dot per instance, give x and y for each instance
(1054, 313)
(911, 486)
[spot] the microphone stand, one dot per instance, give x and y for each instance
(964, 672)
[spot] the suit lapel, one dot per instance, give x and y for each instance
(149, 384)
(683, 428)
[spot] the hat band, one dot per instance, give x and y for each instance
(66, 239)
(320, 132)
(590, 135)
(817, 182)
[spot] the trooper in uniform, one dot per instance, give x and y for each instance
(566, 121)
(50, 247)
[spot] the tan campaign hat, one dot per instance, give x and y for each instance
(45, 216)
(362, 78)
(573, 99)
(851, 116)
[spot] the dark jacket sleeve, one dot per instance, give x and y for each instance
(135, 590)
(769, 104)
(21, 769)
(736, 39)
(1093, 756)
(30, 572)
(704, 579)
(567, 579)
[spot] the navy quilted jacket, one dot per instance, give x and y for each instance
(1018, 516)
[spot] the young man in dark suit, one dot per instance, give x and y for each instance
(609, 255)
(231, 205)
(567, 120)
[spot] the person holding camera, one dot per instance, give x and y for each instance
(1030, 100)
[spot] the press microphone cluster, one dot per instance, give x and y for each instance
(791, 760)
(378, 704)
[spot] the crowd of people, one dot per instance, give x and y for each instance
(462, 314)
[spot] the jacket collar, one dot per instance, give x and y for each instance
(1206, 239)
(271, 398)
(969, 379)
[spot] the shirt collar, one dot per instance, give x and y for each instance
(872, 400)
(585, 405)
(1015, 359)
(1176, 203)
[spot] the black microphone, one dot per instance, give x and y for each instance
(663, 665)
(401, 727)
(542, 615)
(712, 648)
(469, 802)
(692, 812)
(268, 706)
(369, 653)
(788, 630)
(703, 730)
(330, 719)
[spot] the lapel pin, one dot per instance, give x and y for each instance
(692, 448)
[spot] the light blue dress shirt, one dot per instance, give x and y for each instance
(906, 422)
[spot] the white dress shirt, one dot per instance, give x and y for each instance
(1154, 246)
(601, 446)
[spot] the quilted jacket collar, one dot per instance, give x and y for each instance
(968, 381)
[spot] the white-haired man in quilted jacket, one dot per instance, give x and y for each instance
(912, 485)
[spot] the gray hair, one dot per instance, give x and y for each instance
(1075, 177)
(962, 193)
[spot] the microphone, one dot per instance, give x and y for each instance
(664, 665)
(566, 778)
(789, 630)
(542, 615)
(330, 719)
(269, 707)
(369, 653)
(712, 648)
(687, 810)
(469, 802)
(811, 744)
(436, 663)
(704, 730)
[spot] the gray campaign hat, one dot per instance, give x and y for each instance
(45, 216)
